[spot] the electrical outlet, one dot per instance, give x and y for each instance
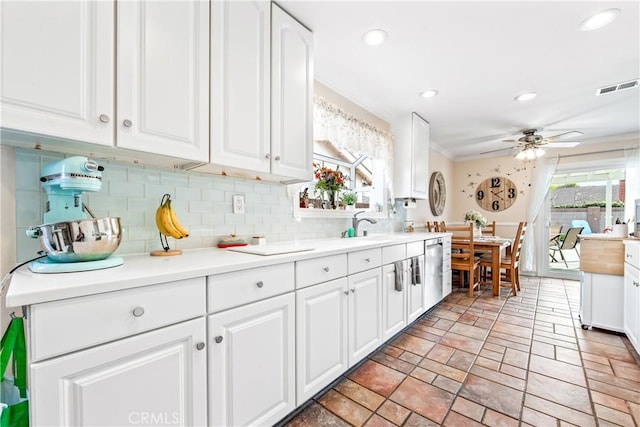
(238, 204)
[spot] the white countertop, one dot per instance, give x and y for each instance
(28, 288)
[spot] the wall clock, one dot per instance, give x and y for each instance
(496, 194)
(437, 193)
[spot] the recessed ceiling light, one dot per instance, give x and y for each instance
(526, 96)
(429, 93)
(374, 37)
(599, 20)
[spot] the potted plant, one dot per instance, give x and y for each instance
(349, 199)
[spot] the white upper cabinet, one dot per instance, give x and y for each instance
(163, 78)
(59, 75)
(261, 90)
(411, 148)
(57, 71)
(291, 97)
(240, 84)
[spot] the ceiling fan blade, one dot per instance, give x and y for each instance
(509, 140)
(569, 134)
(560, 144)
(499, 149)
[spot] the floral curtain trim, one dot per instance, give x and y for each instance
(333, 124)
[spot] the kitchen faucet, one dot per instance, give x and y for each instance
(356, 222)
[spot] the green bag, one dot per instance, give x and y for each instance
(13, 344)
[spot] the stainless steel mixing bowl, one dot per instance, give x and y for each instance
(82, 240)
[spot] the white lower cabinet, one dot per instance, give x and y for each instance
(252, 363)
(632, 305)
(156, 378)
(321, 336)
(394, 311)
(446, 266)
(365, 313)
(415, 291)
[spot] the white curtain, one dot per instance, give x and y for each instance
(632, 182)
(540, 181)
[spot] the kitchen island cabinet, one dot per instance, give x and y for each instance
(632, 293)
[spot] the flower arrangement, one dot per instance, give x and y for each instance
(328, 180)
(478, 219)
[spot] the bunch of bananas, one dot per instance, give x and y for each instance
(166, 220)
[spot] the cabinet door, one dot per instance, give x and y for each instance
(420, 158)
(163, 78)
(631, 322)
(155, 378)
(415, 292)
(252, 363)
(321, 336)
(57, 72)
(365, 314)
(240, 84)
(394, 306)
(291, 97)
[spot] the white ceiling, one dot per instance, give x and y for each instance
(480, 56)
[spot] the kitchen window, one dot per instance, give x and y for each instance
(360, 152)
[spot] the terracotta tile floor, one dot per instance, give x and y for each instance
(493, 361)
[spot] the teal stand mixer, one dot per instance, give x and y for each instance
(73, 240)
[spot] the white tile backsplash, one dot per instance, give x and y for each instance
(202, 203)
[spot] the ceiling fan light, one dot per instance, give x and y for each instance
(430, 93)
(526, 96)
(521, 155)
(599, 19)
(539, 152)
(374, 37)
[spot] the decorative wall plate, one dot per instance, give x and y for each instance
(496, 194)
(437, 193)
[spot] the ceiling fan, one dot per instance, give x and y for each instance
(530, 144)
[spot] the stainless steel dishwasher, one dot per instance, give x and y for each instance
(433, 272)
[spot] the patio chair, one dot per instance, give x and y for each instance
(570, 241)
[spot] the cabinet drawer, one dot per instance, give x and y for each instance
(318, 270)
(364, 260)
(242, 287)
(632, 253)
(415, 249)
(393, 253)
(62, 326)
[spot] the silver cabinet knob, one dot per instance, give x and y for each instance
(367, 259)
(277, 158)
(138, 311)
(260, 284)
(267, 156)
(346, 292)
(636, 283)
(127, 123)
(200, 346)
(218, 339)
(104, 118)
(326, 269)
(353, 290)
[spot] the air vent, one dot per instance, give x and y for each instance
(617, 87)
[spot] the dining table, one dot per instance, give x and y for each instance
(494, 245)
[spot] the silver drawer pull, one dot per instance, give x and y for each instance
(138, 311)
(326, 269)
(260, 284)
(367, 259)
(127, 123)
(104, 118)
(346, 292)
(629, 256)
(636, 283)
(267, 156)
(277, 158)
(353, 290)
(200, 346)
(218, 339)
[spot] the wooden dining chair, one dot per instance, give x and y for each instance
(463, 257)
(510, 264)
(490, 229)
